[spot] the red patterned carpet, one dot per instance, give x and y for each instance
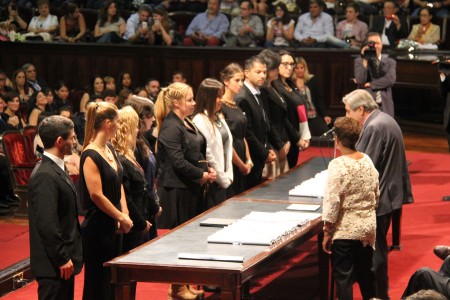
(426, 223)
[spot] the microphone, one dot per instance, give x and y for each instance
(327, 133)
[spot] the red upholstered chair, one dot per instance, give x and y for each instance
(20, 166)
(29, 132)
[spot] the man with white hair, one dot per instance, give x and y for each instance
(382, 140)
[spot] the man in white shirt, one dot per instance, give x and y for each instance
(138, 27)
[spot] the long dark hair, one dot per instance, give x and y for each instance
(286, 18)
(104, 13)
(208, 92)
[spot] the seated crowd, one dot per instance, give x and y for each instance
(240, 23)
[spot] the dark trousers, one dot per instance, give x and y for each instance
(352, 263)
(255, 176)
(380, 257)
(428, 279)
(214, 195)
(55, 288)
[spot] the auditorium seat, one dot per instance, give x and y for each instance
(20, 166)
(182, 20)
(441, 21)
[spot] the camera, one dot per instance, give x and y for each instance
(348, 39)
(371, 52)
(277, 19)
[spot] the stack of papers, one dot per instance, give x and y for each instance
(314, 187)
(261, 228)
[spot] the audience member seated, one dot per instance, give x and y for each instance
(35, 83)
(426, 295)
(39, 106)
(124, 82)
(207, 28)
(246, 29)
(164, 29)
(152, 86)
(110, 27)
(42, 27)
(306, 83)
(391, 26)
(440, 8)
(280, 29)
(20, 85)
(11, 115)
(351, 32)
(110, 96)
(425, 32)
(187, 5)
(137, 30)
(110, 83)
(95, 90)
(11, 20)
(314, 27)
(179, 76)
(4, 88)
(72, 26)
(426, 278)
(230, 7)
(61, 97)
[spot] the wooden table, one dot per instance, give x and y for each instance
(157, 260)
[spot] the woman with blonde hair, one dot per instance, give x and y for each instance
(103, 197)
(182, 166)
(306, 83)
(146, 159)
(211, 123)
(133, 179)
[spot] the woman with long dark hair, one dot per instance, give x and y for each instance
(110, 26)
(219, 150)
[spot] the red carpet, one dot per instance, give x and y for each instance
(426, 223)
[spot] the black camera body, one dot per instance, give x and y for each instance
(277, 19)
(13, 7)
(371, 52)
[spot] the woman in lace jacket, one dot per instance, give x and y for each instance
(349, 205)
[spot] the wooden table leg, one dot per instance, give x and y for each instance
(125, 291)
(326, 283)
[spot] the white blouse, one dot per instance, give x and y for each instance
(351, 197)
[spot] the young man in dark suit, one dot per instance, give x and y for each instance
(56, 252)
(252, 103)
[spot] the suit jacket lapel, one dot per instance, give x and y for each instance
(64, 176)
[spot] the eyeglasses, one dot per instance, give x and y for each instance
(286, 64)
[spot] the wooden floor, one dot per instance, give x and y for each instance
(425, 143)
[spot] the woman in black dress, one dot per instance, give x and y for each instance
(182, 166)
(233, 79)
(296, 107)
(12, 113)
(146, 159)
(133, 177)
(103, 198)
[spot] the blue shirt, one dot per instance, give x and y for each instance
(317, 29)
(209, 27)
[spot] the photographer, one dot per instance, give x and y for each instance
(390, 26)
(280, 29)
(11, 19)
(376, 73)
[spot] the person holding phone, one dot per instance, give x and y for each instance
(137, 29)
(12, 20)
(280, 29)
(391, 26)
(162, 28)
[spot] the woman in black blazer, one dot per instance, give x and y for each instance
(183, 169)
(299, 134)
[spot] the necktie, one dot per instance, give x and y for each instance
(260, 104)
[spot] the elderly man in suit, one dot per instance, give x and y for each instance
(376, 73)
(258, 131)
(390, 26)
(56, 252)
(382, 140)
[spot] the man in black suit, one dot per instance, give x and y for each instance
(391, 26)
(56, 252)
(253, 104)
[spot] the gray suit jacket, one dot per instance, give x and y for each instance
(382, 139)
(382, 84)
(53, 217)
